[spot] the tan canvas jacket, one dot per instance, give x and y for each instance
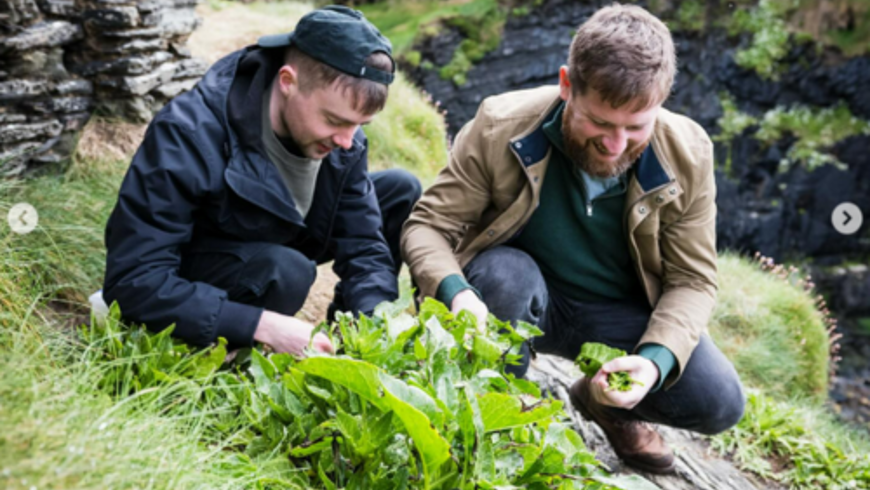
(491, 186)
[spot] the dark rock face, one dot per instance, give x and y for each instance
(62, 59)
(782, 215)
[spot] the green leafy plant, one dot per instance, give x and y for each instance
(774, 430)
(407, 402)
(815, 131)
(594, 355)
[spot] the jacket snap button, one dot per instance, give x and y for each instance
(528, 159)
(672, 190)
(518, 145)
(642, 210)
(491, 232)
(660, 199)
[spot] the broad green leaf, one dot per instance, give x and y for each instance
(419, 350)
(500, 411)
(368, 381)
(486, 349)
(263, 371)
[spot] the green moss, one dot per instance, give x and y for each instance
(771, 330)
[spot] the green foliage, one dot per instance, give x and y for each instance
(594, 355)
(690, 17)
(60, 432)
(776, 430)
(407, 403)
(409, 133)
(815, 131)
(732, 123)
(770, 37)
(482, 23)
(404, 22)
(413, 58)
(770, 328)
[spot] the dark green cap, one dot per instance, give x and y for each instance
(342, 38)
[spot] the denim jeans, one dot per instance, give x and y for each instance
(708, 397)
(278, 278)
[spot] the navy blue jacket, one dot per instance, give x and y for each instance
(201, 176)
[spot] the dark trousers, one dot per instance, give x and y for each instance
(708, 397)
(278, 278)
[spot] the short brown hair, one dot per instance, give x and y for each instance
(626, 55)
(367, 96)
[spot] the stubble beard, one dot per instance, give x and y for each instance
(582, 155)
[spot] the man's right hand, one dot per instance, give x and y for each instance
(468, 300)
(291, 335)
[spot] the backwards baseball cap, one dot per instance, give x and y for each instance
(340, 37)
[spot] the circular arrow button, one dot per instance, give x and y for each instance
(847, 218)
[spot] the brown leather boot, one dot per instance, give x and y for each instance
(637, 443)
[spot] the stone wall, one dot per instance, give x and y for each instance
(62, 59)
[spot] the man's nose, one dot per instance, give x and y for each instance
(344, 138)
(616, 142)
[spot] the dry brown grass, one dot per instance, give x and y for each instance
(104, 140)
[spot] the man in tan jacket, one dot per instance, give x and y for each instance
(589, 210)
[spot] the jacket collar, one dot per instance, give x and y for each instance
(532, 146)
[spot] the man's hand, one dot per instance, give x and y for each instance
(639, 368)
(468, 300)
(287, 334)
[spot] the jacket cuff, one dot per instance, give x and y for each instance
(451, 286)
(237, 323)
(662, 357)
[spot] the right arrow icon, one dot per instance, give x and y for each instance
(847, 218)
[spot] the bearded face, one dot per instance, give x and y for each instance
(590, 154)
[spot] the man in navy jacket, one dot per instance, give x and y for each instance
(245, 183)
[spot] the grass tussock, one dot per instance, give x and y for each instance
(771, 330)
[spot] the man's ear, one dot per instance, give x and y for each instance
(564, 83)
(288, 80)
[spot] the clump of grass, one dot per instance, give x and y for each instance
(410, 133)
(772, 329)
(811, 451)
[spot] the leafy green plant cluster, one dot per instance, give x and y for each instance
(815, 131)
(594, 355)
(767, 25)
(775, 430)
(408, 402)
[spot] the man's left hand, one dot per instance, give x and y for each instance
(639, 368)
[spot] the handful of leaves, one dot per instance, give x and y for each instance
(594, 355)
